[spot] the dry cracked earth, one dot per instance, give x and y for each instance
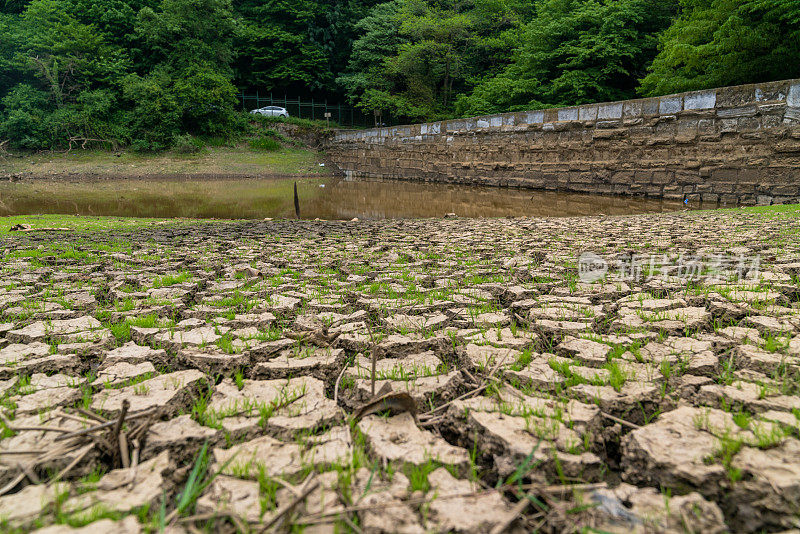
(410, 376)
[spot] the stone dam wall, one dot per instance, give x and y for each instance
(733, 145)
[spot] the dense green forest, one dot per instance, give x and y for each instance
(148, 73)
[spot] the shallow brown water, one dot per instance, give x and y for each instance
(319, 198)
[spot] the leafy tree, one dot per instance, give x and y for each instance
(65, 55)
(297, 46)
(380, 39)
(13, 6)
(10, 72)
(59, 67)
(271, 58)
(116, 21)
(184, 33)
(574, 52)
(415, 56)
(727, 42)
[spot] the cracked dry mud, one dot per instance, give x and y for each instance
(542, 402)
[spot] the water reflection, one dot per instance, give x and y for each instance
(319, 198)
(396, 199)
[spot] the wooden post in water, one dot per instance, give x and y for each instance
(296, 202)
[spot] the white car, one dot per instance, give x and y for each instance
(271, 111)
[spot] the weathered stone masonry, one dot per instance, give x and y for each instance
(733, 145)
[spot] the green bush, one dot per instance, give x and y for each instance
(206, 99)
(22, 123)
(156, 116)
(187, 144)
(267, 144)
(216, 140)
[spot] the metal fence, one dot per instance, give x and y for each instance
(341, 114)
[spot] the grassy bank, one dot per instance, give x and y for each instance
(239, 159)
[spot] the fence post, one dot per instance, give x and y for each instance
(312, 108)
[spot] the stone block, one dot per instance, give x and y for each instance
(669, 105)
(605, 124)
(792, 114)
(665, 131)
(621, 189)
(793, 98)
(785, 190)
(747, 188)
(654, 191)
(700, 100)
(632, 109)
(613, 133)
(496, 121)
(724, 174)
(741, 111)
(772, 91)
(587, 113)
(684, 178)
(534, 117)
(650, 106)
(724, 187)
(772, 108)
(609, 111)
(728, 125)
(687, 127)
(771, 121)
(622, 177)
(568, 114)
(662, 177)
(703, 188)
(748, 124)
(581, 177)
